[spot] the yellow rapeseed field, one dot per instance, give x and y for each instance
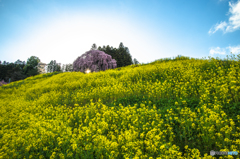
(166, 109)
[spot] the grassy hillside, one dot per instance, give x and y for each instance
(179, 109)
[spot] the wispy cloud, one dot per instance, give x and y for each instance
(217, 50)
(234, 50)
(222, 51)
(233, 23)
(220, 26)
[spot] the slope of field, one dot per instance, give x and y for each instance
(176, 109)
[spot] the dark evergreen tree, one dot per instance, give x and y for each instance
(135, 61)
(12, 71)
(53, 66)
(17, 75)
(30, 69)
(33, 61)
(99, 48)
(9, 68)
(2, 72)
(68, 68)
(108, 49)
(127, 57)
(104, 47)
(120, 54)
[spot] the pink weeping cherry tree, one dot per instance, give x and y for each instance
(94, 60)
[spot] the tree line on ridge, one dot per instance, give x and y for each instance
(19, 70)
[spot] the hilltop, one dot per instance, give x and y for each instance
(183, 107)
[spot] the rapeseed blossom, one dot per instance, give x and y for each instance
(152, 111)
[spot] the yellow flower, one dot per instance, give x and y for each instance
(226, 140)
(232, 123)
(184, 101)
(162, 147)
(139, 152)
(114, 145)
(112, 152)
(193, 125)
(74, 146)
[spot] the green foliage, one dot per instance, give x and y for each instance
(135, 61)
(33, 61)
(12, 72)
(121, 54)
(17, 75)
(67, 68)
(179, 57)
(53, 66)
(29, 80)
(30, 69)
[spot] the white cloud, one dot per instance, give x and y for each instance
(217, 50)
(233, 23)
(217, 27)
(234, 20)
(222, 51)
(234, 50)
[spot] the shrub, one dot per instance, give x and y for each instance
(2, 82)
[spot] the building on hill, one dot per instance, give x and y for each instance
(42, 67)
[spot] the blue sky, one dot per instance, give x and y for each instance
(62, 30)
